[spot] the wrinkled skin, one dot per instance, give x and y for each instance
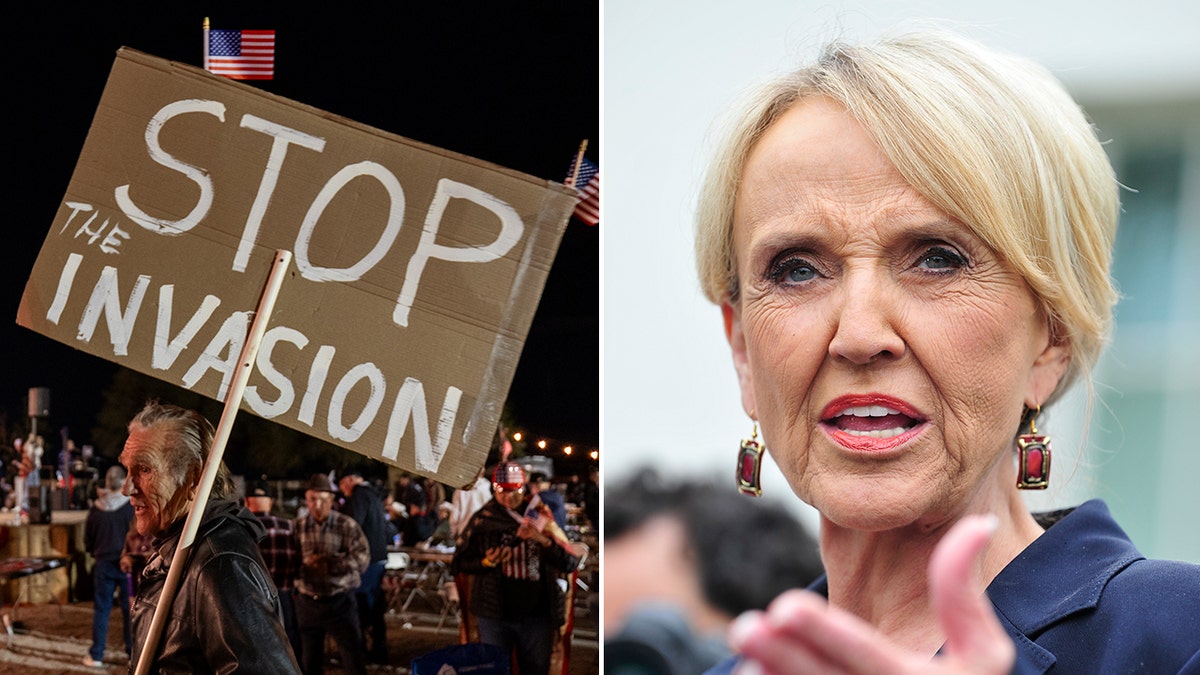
(158, 499)
(854, 291)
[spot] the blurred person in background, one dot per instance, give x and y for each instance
(333, 555)
(108, 521)
(539, 486)
(910, 242)
(281, 553)
(364, 503)
(676, 571)
(467, 500)
(441, 533)
(591, 497)
(411, 494)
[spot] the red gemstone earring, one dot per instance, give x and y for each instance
(749, 463)
(1033, 461)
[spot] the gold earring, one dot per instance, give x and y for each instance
(749, 464)
(1033, 461)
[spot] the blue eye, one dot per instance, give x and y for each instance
(939, 258)
(792, 271)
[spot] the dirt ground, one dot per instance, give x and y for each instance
(50, 638)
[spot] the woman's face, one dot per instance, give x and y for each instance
(885, 349)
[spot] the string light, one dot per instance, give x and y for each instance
(568, 449)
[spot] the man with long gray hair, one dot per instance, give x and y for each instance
(225, 613)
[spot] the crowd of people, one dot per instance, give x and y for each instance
(261, 591)
(30, 462)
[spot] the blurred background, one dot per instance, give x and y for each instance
(670, 397)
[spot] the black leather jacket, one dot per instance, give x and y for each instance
(225, 616)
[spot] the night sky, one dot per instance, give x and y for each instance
(519, 88)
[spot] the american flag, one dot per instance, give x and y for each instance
(588, 208)
(241, 54)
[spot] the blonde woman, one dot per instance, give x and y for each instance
(910, 244)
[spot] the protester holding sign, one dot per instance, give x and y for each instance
(225, 612)
(515, 594)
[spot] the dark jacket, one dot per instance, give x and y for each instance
(1082, 599)
(225, 616)
(107, 524)
(554, 499)
(365, 506)
(501, 594)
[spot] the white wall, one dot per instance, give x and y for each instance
(670, 68)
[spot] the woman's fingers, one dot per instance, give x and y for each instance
(767, 649)
(800, 633)
(974, 635)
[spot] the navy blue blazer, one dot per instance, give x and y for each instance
(1082, 599)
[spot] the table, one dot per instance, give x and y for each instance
(413, 573)
(20, 568)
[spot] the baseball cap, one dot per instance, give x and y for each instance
(258, 489)
(509, 475)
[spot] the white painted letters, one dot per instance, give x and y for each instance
(411, 402)
(395, 219)
(287, 392)
(370, 372)
(511, 229)
(266, 188)
(222, 353)
(166, 348)
(106, 297)
(197, 175)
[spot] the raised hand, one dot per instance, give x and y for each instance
(801, 633)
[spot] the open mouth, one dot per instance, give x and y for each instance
(872, 421)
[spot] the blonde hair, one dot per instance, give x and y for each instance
(991, 139)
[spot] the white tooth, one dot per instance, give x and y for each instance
(879, 433)
(869, 411)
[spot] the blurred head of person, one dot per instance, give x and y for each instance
(508, 484)
(318, 496)
(676, 571)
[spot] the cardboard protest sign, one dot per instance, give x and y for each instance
(416, 272)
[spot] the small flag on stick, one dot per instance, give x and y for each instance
(240, 54)
(584, 176)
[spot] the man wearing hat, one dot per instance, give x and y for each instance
(514, 595)
(281, 553)
(334, 554)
